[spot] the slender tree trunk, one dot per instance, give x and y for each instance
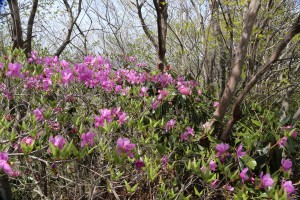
(267, 66)
(144, 26)
(161, 7)
(17, 35)
(30, 27)
(5, 190)
(72, 22)
(241, 52)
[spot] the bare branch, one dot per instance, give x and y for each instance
(30, 27)
(295, 29)
(241, 51)
(70, 26)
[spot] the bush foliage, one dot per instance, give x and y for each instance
(111, 129)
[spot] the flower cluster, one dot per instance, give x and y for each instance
(108, 115)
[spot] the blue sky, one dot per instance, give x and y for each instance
(2, 5)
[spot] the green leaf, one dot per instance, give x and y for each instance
(256, 122)
(250, 162)
(197, 193)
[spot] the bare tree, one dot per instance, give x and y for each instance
(241, 51)
(295, 29)
(161, 7)
(17, 35)
(72, 22)
(30, 23)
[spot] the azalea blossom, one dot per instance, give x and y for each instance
(239, 152)
(266, 180)
(243, 174)
(38, 114)
(199, 92)
(4, 165)
(139, 164)
(214, 183)
(87, 139)
(185, 135)
(286, 164)
(222, 150)
(229, 187)
(14, 70)
(184, 90)
(143, 91)
(288, 187)
(58, 141)
(122, 118)
(170, 124)
(124, 146)
(27, 140)
(212, 165)
(216, 104)
(295, 134)
(282, 142)
(162, 94)
(164, 160)
(155, 104)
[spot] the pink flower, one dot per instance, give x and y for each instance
(1, 66)
(155, 104)
(184, 90)
(164, 160)
(106, 115)
(139, 164)
(27, 140)
(3, 156)
(212, 165)
(99, 121)
(162, 94)
(222, 150)
(266, 180)
(67, 76)
(216, 104)
(203, 169)
(58, 141)
(185, 135)
(239, 152)
(125, 91)
(4, 165)
(87, 138)
(64, 63)
(143, 91)
(124, 146)
(122, 118)
(199, 92)
(295, 134)
(243, 175)
(229, 187)
(38, 114)
(214, 183)
(118, 89)
(14, 70)
(282, 142)
(286, 164)
(288, 187)
(170, 124)
(46, 83)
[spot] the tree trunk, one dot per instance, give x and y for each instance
(241, 52)
(30, 28)
(236, 107)
(5, 190)
(161, 7)
(17, 36)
